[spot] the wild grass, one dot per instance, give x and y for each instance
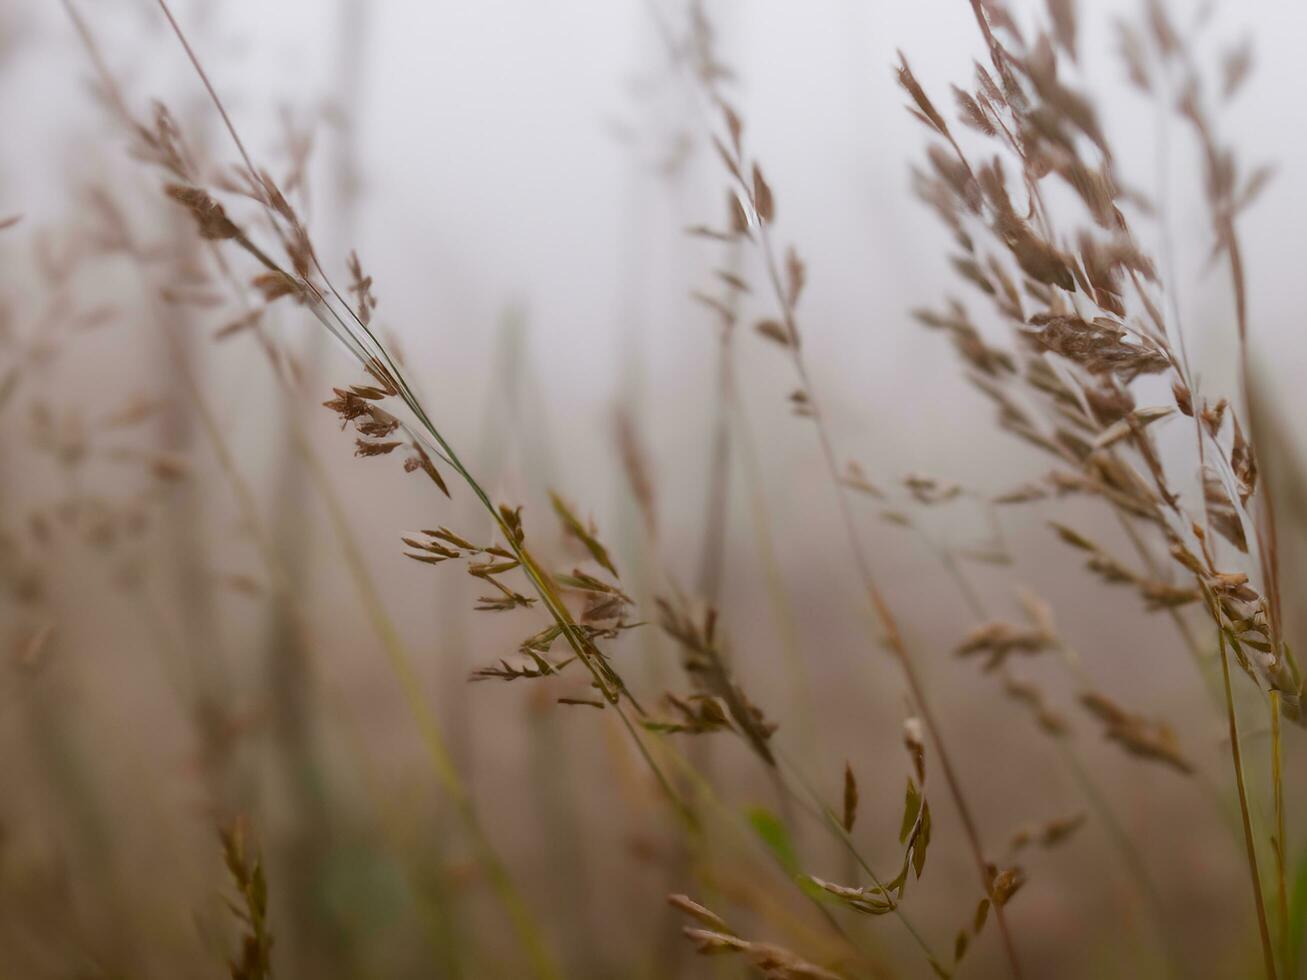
(783, 846)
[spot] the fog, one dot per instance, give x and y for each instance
(520, 179)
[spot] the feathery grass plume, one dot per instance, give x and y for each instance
(295, 241)
(423, 436)
(330, 309)
(328, 306)
(787, 281)
(710, 713)
(1033, 118)
(1052, 130)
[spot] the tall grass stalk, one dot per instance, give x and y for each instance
(889, 624)
(529, 932)
(372, 354)
(1279, 843)
(1129, 855)
(759, 220)
(1236, 759)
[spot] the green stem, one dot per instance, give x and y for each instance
(1277, 784)
(1236, 756)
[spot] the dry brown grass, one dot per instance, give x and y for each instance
(1063, 316)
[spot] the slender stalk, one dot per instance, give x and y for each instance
(888, 623)
(1223, 216)
(883, 615)
(401, 663)
(882, 612)
(361, 341)
(523, 921)
(1129, 853)
(1277, 788)
(712, 557)
(1236, 756)
(1268, 554)
(528, 930)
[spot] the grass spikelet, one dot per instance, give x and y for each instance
(254, 962)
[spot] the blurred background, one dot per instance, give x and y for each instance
(519, 179)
